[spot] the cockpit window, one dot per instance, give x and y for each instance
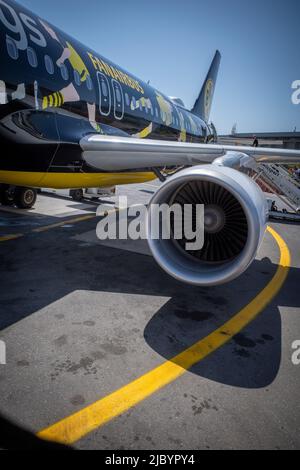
(12, 49)
(49, 65)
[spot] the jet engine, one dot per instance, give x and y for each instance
(235, 217)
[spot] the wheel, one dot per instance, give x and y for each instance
(25, 197)
(76, 194)
(7, 194)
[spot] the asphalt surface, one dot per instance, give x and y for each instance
(82, 318)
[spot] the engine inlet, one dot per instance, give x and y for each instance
(225, 222)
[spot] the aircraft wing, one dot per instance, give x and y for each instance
(114, 153)
(267, 139)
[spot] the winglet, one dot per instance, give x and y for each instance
(203, 103)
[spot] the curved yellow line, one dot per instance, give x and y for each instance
(79, 424)
(7, 238)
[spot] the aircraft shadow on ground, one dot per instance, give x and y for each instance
(48, 268)
(13, 437)
(85, 205)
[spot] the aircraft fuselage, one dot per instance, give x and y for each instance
(54, 91)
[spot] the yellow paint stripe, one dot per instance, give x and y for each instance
(76, 426)
(7, 238)
(145, 132)
(61, 98)
(73, 180)
(45, 102)
(45, 228)
(182, 136)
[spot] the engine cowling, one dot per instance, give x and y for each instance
(235, 217)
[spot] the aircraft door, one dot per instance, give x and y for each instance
(104, 94)
(118, 100)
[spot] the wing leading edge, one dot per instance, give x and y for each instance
(111, 153)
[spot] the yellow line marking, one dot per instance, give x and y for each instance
(6, 238)
(76, 426)
(64, 222)
(45, 228)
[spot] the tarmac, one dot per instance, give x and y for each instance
(98, 339)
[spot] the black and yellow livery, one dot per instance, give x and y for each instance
(54, 91)
(55, 100)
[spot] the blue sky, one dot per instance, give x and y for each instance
(171, 43)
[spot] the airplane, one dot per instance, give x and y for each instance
(70, 118)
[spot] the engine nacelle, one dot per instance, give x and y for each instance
(235, 217)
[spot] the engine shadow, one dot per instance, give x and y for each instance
(48, 268)
(252, 358)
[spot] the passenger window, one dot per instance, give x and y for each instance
(118, 100)
(133, 102)
(104, 88)
(118, 95)
(64, 72)
(77, 78)
(104, 94)
(156, 113)
(12, 49)
(32, 58)
(89, 83)
(151, 108)
(49, 65)
(127, 99)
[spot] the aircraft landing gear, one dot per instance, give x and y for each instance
(76, 194)
(7, 195)
(23, 198)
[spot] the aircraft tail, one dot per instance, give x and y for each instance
(203, 103)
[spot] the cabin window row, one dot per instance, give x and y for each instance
(13, 53)
(116, 99)
(104, 88)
